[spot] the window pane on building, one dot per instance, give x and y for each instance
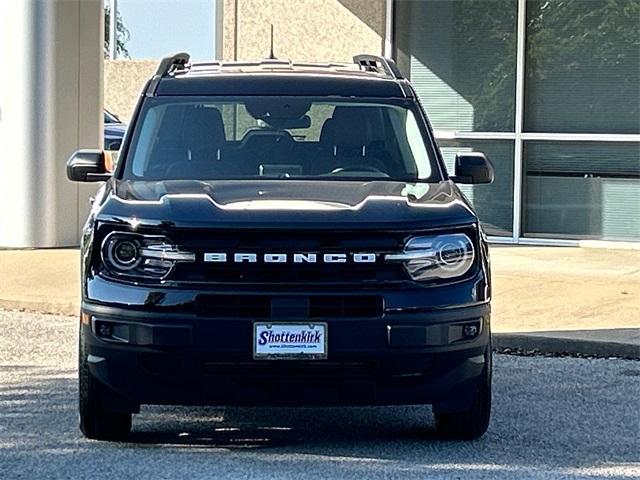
(583, 66)
(492, 202)
(461, 57)
(582, 190)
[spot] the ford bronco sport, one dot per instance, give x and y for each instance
(279, 233)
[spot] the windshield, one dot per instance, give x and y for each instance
(215, 138)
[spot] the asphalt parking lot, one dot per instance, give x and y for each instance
(552, 418)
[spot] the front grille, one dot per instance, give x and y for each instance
(317, 306)
(233, 306)
(345, 306)
(260, 242)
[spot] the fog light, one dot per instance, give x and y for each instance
(470, 330)
(112, 331)
(104, 330)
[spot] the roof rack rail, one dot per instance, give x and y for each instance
(373, 63)
(166, 66)
(172, 62)
(259, 63)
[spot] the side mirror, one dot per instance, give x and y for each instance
(473, 168)
(87, 166)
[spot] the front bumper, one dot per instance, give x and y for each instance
(180, 358)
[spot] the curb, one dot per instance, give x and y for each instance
(48, 308)
(556, 345)
(609, 244)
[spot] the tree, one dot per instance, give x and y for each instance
(122, 34)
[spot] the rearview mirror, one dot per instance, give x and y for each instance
(287, 123)
(87, 166)
(473, 168)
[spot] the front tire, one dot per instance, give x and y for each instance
(95, 421)
(471, 423)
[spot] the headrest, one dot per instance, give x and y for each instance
(203, 127)
(170, 131)
(326, 134)
(350, 128)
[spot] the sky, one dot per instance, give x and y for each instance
(160, 27)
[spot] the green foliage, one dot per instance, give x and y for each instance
(122, 34)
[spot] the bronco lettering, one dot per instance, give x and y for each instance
(222, 257)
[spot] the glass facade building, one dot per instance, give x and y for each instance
(550, 91)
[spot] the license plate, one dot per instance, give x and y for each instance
(275, 341)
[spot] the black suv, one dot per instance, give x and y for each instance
(281, 233)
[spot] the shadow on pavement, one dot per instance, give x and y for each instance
(553, 418)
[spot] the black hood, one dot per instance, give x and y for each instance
(287, 204)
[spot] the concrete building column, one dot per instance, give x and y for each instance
(50, 105)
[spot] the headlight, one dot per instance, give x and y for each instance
(436, 257)
(135, 255)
